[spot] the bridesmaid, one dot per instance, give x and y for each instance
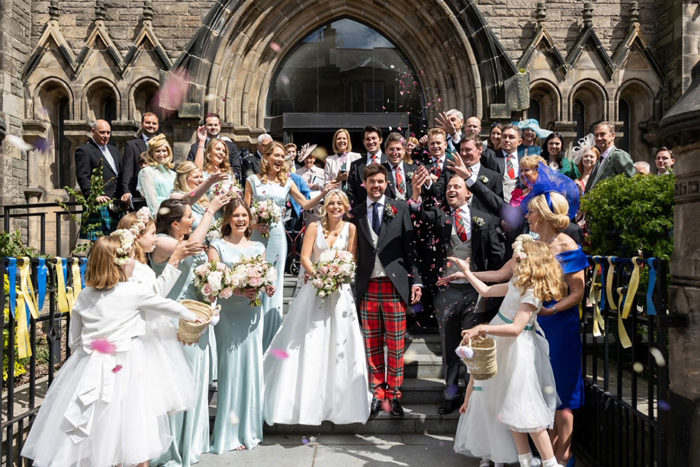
(191, 187)
(190, 429)
(239, 343)
(156, 180)
(274, 183)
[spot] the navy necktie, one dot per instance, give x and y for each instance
(375, 218)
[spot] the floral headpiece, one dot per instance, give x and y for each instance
(157, 141)
(143, 215)
(124, 251)
(518, 251)
(584, 144)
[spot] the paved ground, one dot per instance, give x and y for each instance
(348, 450)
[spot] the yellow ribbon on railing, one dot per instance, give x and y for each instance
(594, 297)
(64, 302)
(609, 283)
(626, 302)
(77, 281)
(25, 301)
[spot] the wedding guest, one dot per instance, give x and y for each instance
(110, 406)
(311, 173)
(338, 165)
(252, 163)
(372, 139)
(386, 282)
(642, 167)
(132, 150)
(586, 154)
(324, 373)
(239, 342)
(211, 130)
(532, 135)
(553, 153)
(274, 183)
(399, 184)
(437, 167)
(664, 161)
(191, 186)
(156, 180)
(508, 159)
(291, 149)
(411, 149)
(492, 146)
(613, 161)
(452, 122)
(216, 160)
(190, 429)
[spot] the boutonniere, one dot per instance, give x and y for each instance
(409, 175)
(478, 221)
(484, 179)
(390, 211)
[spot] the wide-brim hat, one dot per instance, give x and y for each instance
(306, 151)
(534, 125)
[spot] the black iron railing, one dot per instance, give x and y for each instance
(626, 386)
(19, 405)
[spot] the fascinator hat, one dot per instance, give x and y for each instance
(534, 125)
(584, 144)
(549, 181)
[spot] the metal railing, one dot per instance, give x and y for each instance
(42, 210)
(19, 405)
(625, 387)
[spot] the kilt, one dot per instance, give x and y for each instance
(103, 222)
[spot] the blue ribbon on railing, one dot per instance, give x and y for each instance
(64, 263)
(83, 270)
(42, 274)
(603, 275)
(651, 309)
(12, 277)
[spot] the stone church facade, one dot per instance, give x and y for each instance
(568, 63)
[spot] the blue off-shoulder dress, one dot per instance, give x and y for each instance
(563, 332)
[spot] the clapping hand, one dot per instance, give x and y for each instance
(183, 249)
(456, 164)
(420, 177)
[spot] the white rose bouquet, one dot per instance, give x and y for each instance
(265, 212)
(333, 269)
(211, 280)
(252, 272)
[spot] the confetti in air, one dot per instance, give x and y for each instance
(275, 47)
(638, 367)
(233, 418)
(103, 346)
(279, 354)
(19, 143)
(117, 369)
(386, 406)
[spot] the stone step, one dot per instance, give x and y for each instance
(418, 365)
(424, 390)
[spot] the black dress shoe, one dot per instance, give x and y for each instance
(396, 409)
(448, 406)
(376, 406)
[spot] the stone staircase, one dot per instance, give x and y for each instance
(422, 394)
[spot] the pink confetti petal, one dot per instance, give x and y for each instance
(386, 406)
(279, 353)
(103, 346)
(275, 46)
(117, 369)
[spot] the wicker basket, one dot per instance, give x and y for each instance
(483, 364)
(190, 333)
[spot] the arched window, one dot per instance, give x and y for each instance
(345, 67)
(624, 115)
(579, 115)
(534, 111)
(62, 144)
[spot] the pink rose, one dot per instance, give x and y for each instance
(333, 270)
(255, 281)
(206, 290)
(324, 270)
(226, 293)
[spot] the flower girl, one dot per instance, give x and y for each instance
(522, 396)
(106, 406)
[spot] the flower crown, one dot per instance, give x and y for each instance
(584, 144)
(518, 251)
(143, 215)
(124, 251)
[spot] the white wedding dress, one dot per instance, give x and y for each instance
(324, 373)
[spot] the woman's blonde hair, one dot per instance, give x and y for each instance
(126, 223)
(283, 174)
(347, 135)
(532, 162)
(225, 166)
(155, 143)
(554, 211)
(102, 272)
(184, 170)
(540, 271)
(323, 210)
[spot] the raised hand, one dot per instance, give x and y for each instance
(456, 164)
(464, 264)
(330, 186)
(443, 121)
(423, 141)
(202, 134)
(219, 201)
(183, 249)
(216, 178)
(420, 177)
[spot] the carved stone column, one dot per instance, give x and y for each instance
(32, 130)
(681, 127)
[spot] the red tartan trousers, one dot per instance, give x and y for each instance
(383, 316)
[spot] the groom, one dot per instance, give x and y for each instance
(386, 281)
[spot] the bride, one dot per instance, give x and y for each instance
(316, 369)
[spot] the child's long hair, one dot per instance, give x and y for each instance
(127, 222)
(102, 272)
(540, 271)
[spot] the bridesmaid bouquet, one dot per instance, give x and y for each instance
(211, 279)
(333, 269)
(266, 212)
(229, 186)
(214, 230)
(252, 271)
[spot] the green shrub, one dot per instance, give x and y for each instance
(626, 215)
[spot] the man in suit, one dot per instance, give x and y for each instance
(452, 122)
(205, 133)
(372, 139)
(401, 173)
(507, 161)
(253, 162)
(386, 282)
(463, 232)
(612, 161)
(437, 168)
(98, 153)
(130, 162)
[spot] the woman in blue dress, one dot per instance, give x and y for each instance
(156, 180)
(190, 429)
(274, 183)
(191, 186)
(239, 398)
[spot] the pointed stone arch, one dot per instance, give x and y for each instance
(547, 94)
(595, 99)
(141, 94)
(95, 96)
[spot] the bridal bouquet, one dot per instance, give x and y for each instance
(252, 271)
(228, 186)
(214, 230)
(333, 269)
(266, 212)
(211, 279)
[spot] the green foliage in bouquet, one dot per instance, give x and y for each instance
(626, 215)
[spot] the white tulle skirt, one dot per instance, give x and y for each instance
(106, 410)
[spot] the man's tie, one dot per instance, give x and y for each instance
(375, 159)
(438, 168)
(459, 225)
(375, 218)
(510, 167)
(400, 183)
